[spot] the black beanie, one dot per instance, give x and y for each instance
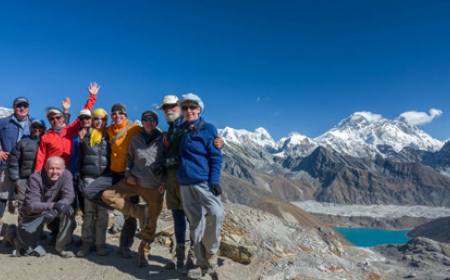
(119, 107)
(149, 116)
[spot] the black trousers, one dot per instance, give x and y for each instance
(30, 229)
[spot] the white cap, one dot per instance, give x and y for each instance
(169, 100)
(54, 111)
(85, 112)
(193, 98)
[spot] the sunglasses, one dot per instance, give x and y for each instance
(55, 118)
(169, 106)
(83, 118)
(191, 107)
(148, 120)
(22, 105)
(118, 113)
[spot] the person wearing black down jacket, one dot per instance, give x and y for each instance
(22, 159)
(93, 161)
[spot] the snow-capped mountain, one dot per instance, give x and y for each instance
(363, 134)
(366, 134)
(296, 144)
(258, 138)
(4, 112)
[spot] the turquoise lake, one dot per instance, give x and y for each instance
(369, 237)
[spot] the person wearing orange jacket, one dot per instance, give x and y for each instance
(120, 133)
(57, 141)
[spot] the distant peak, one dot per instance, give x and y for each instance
(361, 118)
(369, 116)
(263, 131)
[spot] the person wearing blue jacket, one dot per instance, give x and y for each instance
(12, 129)
(199, 177)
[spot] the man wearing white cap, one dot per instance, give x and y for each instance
(85, 118)
(172, 112)
(57, 141)
(198, 174)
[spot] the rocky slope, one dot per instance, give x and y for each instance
(438, 230)
(425, 258)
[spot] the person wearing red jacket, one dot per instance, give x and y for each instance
(57, 141)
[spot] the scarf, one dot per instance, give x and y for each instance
(96, 137)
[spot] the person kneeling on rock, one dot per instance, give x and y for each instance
(47, 201)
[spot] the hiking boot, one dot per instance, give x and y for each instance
(195, 273)
(125, 252)
(65, 254)
(10, 233)
(190, 261)
(85, 250)
(211, 261)
(12, 206)
(143, 252)
(102, 250)
(170, 265)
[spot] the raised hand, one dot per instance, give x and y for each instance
(93, 88)
(66, 103)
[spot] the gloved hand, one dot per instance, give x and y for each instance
(62, 208)
(50, 215)
(216, 189)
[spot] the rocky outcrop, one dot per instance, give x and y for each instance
(438, 230)
(426, 259)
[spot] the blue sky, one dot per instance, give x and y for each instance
(285, 65)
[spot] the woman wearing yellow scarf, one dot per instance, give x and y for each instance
(93, 161)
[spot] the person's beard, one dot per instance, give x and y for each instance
(171, 116)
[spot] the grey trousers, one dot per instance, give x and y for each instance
(6, 190)
(205, 214)
(30, 229)
(95, 219)
(21, 188)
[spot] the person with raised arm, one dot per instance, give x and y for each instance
(57, 141)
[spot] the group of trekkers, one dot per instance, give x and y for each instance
(86, 166)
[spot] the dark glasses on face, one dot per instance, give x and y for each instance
(148, 120)
(22, 105)
(55, 118)
(169, 106)
(191, 107)
(83, 118)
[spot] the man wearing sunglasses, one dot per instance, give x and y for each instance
(199, 174)
(12, 129)
(144, 177)
(85, 117)
(57, 141)
(172, 113)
